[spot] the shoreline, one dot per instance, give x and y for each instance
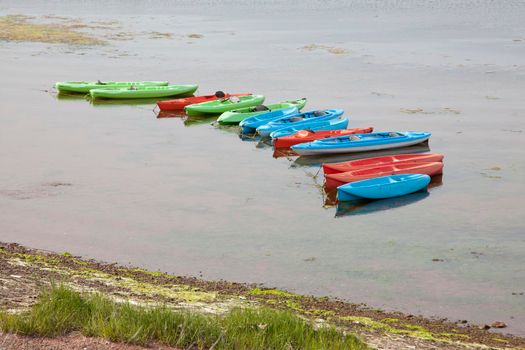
(24, 272)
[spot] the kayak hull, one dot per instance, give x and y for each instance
(223, 105)
(180, 103)
(330, 124)
(301, 120)
(249, 125)
(383, 187)
(378, 161)
(427, 168)
(310, 135)
(85, 86)
(143, 92)
(364, 143)
(238, 115)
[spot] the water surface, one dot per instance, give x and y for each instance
(114, 182)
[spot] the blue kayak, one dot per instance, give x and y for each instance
(300, 120)
(331, 124)
(361, 142)
(383, 187)
(250, 125)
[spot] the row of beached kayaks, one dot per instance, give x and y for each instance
(316, 132)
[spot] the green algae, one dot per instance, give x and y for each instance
(273, 292)
(21, 28)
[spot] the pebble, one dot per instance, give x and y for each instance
(485, 326)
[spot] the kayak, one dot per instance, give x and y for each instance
(238, 115)
(250, 125)
(428, 168)
(378, 161)
(383, 187)
(361, 142)
(224, 105)
(143, 92)
(86, 86)
(310, 135)
(330, 124)
(316, 125)
(180, 103)
(301, 120)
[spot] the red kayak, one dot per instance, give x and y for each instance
(428, 168)
(379, 161)
(303, 136)
(180, 103)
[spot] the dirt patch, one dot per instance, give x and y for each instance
(24, 272)
(74, 341)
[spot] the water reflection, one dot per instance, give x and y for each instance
(119, 102)
(366, 206)
(171, 114)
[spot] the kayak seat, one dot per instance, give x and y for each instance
(354, 138)
(296, 119)
(220, 94)
(319, 113)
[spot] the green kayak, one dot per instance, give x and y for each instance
(86, 86)
(144, 92)
(221, 106)
(238, 115)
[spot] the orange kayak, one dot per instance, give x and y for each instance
(309, 136)
(180, 103)
(428, 168)
(379, 161)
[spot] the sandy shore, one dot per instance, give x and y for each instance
(24, 272)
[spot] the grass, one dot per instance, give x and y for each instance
(61, 310)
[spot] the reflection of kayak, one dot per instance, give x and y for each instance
(378, 161)
(383, 187)
(367, 206)
(311, 135)
(238, 115)
(86, 86)
(180, 103)
(144, 92)
(362, 142)
(224, 105)
(428, 168)
(301, 120)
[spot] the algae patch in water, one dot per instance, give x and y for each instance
(22, 28)
(330, 49)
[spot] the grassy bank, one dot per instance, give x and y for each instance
(25, 272)
(61, 310)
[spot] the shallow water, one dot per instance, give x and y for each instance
(114, 182)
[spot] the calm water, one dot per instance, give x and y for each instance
(114, 182)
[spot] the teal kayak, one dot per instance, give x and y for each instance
(238, 115)
(143, 92)
(224, 105)
(383, 187)
(86, 86)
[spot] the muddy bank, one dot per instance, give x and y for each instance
(24, 272)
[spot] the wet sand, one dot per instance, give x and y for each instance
(188, 198)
